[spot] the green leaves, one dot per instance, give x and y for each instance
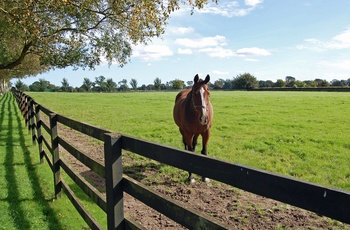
(79, 33)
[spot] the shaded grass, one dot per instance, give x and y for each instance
(26, 188)
(299, 134)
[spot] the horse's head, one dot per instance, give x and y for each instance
(200, 99)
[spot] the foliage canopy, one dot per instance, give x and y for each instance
(245, 81)
(81, 34)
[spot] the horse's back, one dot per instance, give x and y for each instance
(182, 95)
(179, 106)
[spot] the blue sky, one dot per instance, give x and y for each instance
(270, 39)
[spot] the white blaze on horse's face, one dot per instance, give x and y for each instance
(203, 118)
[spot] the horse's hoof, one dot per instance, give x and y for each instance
(205, 179)
(191, 180)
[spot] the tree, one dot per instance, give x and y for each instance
(87, 84)
(65, 85)
(311, 84)
(143, 87)
(177, 84)
(280, 83)
(10, 45)
(41, 86)
(163, 86)
(111, 86)
(322, 83)
(123, 85)
(299, 84)
(21, 86)
(227, 84)
(289, 79)
(133, 83)
(189, 83)
(218, 84)
(4, 84)
(245, 81)
(336, 82)
(79, 33)
(150, 87)
(265, 84)
(157, 83)
(100, 84)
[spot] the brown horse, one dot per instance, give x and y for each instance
(193, 113)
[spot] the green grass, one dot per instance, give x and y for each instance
(26, 187)
(299, 134)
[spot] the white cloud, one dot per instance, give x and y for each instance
(212, 46)
(231, 9)
(217, 52)
(339, 41)
(253, 51)
(201, 42)
(185, 30)
(184, 51)
(179, 30)
(253, 2)
(151, 52)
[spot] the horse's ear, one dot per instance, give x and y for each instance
(196, 78)
(207, 79)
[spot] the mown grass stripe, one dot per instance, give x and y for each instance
(26, 188)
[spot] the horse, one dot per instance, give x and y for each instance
(193, 114)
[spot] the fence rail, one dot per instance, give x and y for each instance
(325, 201)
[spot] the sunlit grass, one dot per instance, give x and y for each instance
(26, 187)
(299, 134)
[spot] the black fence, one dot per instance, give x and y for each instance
(325, 201)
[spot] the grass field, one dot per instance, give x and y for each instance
(26, 186)
(299, 134)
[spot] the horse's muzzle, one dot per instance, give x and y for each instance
(203, 119)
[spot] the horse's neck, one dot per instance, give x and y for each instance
(189, 106)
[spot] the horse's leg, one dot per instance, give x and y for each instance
(205, 140)
(186, 146)
(187, 138)
(183, 138)
(194, 142)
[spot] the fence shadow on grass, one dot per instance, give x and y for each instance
(2, 115)
(17, 213)
(12, 140)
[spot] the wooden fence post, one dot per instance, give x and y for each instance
(39, 134)
(24, 108)
(31, 119)
(20, 101)
(114, 177)
(55, 156)
(28, 114)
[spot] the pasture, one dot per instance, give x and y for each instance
(299, 134)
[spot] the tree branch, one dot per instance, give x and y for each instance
(19, 59)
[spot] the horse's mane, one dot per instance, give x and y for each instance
(188, 101)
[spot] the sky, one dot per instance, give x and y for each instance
(270, 39)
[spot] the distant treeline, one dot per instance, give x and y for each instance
(244, 81)
(323, 89)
